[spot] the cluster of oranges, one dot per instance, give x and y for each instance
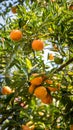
(37, 44)
(16, 35)
(39, 90)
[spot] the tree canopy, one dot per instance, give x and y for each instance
(36, 81)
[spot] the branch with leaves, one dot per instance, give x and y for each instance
(64, 65)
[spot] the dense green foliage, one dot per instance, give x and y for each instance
(52, 22)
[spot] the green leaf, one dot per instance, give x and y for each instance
(28, 63)
(8, 98)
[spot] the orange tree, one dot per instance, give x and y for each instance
(36, 89)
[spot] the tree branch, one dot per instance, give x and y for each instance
(64, 65)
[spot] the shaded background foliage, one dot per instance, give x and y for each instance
(51, 22)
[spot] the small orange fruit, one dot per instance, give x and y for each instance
(24, 127)
(36, 81)
(52, 89)
(16, 35)
(47, 99)
(37, 45)
(6, 90)
(41, 75)
(31, 89)
(40, 92)
(14, 9)
(51, 57)
(48, 81)
(71, 127)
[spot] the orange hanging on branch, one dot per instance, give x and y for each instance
(40, 92)
(16, 35)
(51, 56)
(37, 45)
(48, 81)
(6, 90)
(47, 100)
(31, 89)
(36, 81)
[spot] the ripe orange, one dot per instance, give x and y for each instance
(37, 45)
(47, 99)
(48, 81)
(31, 89)
(24, 127)
(16, 35)
(41, 75)
(40, 92)
(14, 9)
(52, 89)
(51, 57)
(6, 90)
(71, 127)
(36, 81)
